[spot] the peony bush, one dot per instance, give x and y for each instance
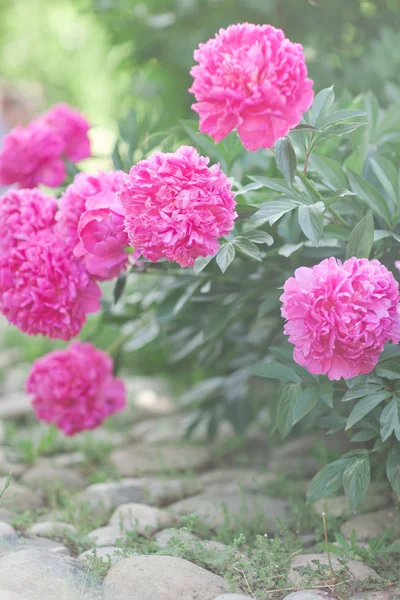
(264, 253)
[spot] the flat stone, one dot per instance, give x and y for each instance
(141, 458)
(46, 476)
(247, 479)
(20, 498)
(173, 428)
(233, 597)
(376, 595)
(106, 536)
(142, 518)
(161, 578)
(211, 507)
(164, 537)
(357, 571)
(6, 595)
(338, 506)
(70, 459)
(41, 575)
(15, 377)
(41, 543)
(51, 529)
(7, 533)
(310, 595)
(372, 525)
(15, 405)
(108, 554)
(6, 515)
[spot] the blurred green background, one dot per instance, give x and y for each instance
(106, 56)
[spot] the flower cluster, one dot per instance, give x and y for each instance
(253, 78)
(33, 155)
(340, 315)
(177, 207)
(75, 388)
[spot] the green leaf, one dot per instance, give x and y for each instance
(247, 247)
(341, 115)
(187, 294)
(337, 130)
(389, 369)
(271, 211)
(286, 160)
(390, 420)
(288, 249)
(304, 404)
(365, 405)
(356, 479)
(328, 480)
(311, 220)
(274, 371)
(360, 390)
(270, 301)
(286, 401)
(201, 262)
(225, 256)
(393, 469)
(245, 211)
(278, 186)
(330, 171)
(322, 103)
(387, 175)
(119, 287)
(363, 436)
(259, 237)
(361, 238)
(205, 143)
(370, 195)
(326, 392)
(304, 127)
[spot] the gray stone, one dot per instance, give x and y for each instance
(247, 479)
(7, 533)
(372, 525)
(15, 377)
(357, 571)
(70, 459)
(211, 506)
(51, 529)
(173, 428)
(164, 537)
(15, 405)
(2, 432)
(20, 498)
(45, 476)
(6, 595)
(108, 554)
(6, 515)
(42, 575)
(376, 595)
(233, 597)
(106, 536)
(161, 577)
(7, 466)
(41, 543)
(338, 506)
(139, 459)
(310, 595)
(142, 518)
(148, 396)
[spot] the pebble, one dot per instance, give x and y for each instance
(6, 515)
(110, 554)
(233, 597)
(375, 595)
(106, 536)
(45, 477)
(70, 459)
(15, 405)
(7, 533)
(166, 577)
(142, 518)
(357, 571)
(372, 525)
(173, 428)
(211, 506)
(45, 544)
(247, 479)
(310, 595)
(138, 459)
(20, 498)
(51, 529)
(164, 537)
(6, 595)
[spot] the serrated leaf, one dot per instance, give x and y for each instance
(356, 479)
(259, 237)
(247, 247)
(361, 238)
(328, 480)
(370, 195)
(393, 469)
(365, 405)
(311, 220)
(274, 371)
(304, 404)
(201, 262)
(284, 413)
(390, 420)
(286, 160)
(225, 256)
(271, 211)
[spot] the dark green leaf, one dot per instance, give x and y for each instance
(341, 115)
(393, 469)
(286, 159)
(361, 238)
(389, 369)
(271, 211)
(274, 371)
(356, 479)
(390, 420)
(328, 480)
(225, 256)
(363, 436)
(360, 390)
(387, 175)
(326, 392)
(370, 195)
(270, 301)
(119, 287)
(201, 262)
(322, 103)
(311, 220)
(304, 404)
(184, 299)
(274, 184)
(259, 237)
(286, 401)
(304, 127)
(203, 142)
(247, 247)
(331, 172)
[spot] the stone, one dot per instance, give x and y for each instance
(233, 597)
(41, 575)
(6, 515)
(163, 538)
(310, 595)
(376, 595)
(247, 479)
(15, 405)
(338, 506)
(138, 459)
(45, 476)
(6, 595)
(7, 533)
(213, 505)
(106, 536)
(357, 571)
(161, 578)
(148, 396)
(2, 432)
(70, 459)
(108, 554)
(142, 518)
(20, 498)
(372, 525)
(41, 543)
(173, 428)
(15, 377)
(51, 529)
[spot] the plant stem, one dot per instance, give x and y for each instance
(327, 546)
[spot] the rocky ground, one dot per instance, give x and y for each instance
(130, 512)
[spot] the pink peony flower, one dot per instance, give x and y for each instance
(73, 129)
(32, 156)
(22, 214)
(102, 236)
(253, 78)
(75, 388)
(340, 315)
(177, 207)
(73, 201)
(44, 289)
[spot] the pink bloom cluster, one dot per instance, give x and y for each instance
(340, 315)
(253, 78)
(33, 155)
(75, 388)
(177, 207)
(22, 214)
